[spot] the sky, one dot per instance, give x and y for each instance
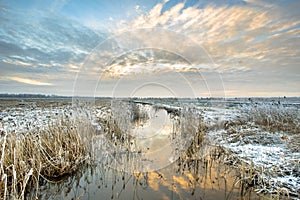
(206, 48)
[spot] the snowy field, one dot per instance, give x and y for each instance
(261, 135)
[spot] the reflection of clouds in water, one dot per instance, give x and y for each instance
(155, 143)
(182, 180)
(154, 139)
(158, 124)
(192, 181)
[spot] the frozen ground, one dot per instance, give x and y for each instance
(262, 133)
(273, 154)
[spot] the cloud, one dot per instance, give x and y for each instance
(44, 38)
(143, 61)
(239, 39)
(231, 34)
(58, 5)
(16, 62)
(29, 81)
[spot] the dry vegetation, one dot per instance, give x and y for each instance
(273, 117)
(261, 124)
(29, 159)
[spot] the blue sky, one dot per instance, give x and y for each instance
(190, 48)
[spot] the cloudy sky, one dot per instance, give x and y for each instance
(150, 48)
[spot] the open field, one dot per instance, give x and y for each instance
(163, 148)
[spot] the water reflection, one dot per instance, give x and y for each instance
(188, 178)
(199, 172)
(143, 138)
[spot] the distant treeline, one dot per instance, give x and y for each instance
(248, 99)
(30, 96)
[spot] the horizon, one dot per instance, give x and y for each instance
(3, 95)
(162, 48)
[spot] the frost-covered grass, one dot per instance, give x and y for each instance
(192, 131)
(260, 140)
(264, 140)
(29, 158)
(273, 117)
(277, 179)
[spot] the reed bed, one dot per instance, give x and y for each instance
(29, 159)
(267, 125)
(273, 118)
(54, 152)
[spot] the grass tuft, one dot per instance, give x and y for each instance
(28, 159)
(274, 118)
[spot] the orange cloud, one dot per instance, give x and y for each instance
(231, 35)
(28, 81)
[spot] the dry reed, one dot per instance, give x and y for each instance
(28, 159)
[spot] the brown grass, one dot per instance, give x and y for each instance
(29, 159)
(274, 118)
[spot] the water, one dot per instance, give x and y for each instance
(185, 179)
(151, 152)
(149, 167)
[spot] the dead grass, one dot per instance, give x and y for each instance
(274, 118)
(29, 159)
(258, 179)
(251, 127)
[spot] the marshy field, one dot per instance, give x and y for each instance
(150, 148)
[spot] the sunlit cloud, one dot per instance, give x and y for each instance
(228, 33)
(29, 81)
(245, 38)
(16, 62)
